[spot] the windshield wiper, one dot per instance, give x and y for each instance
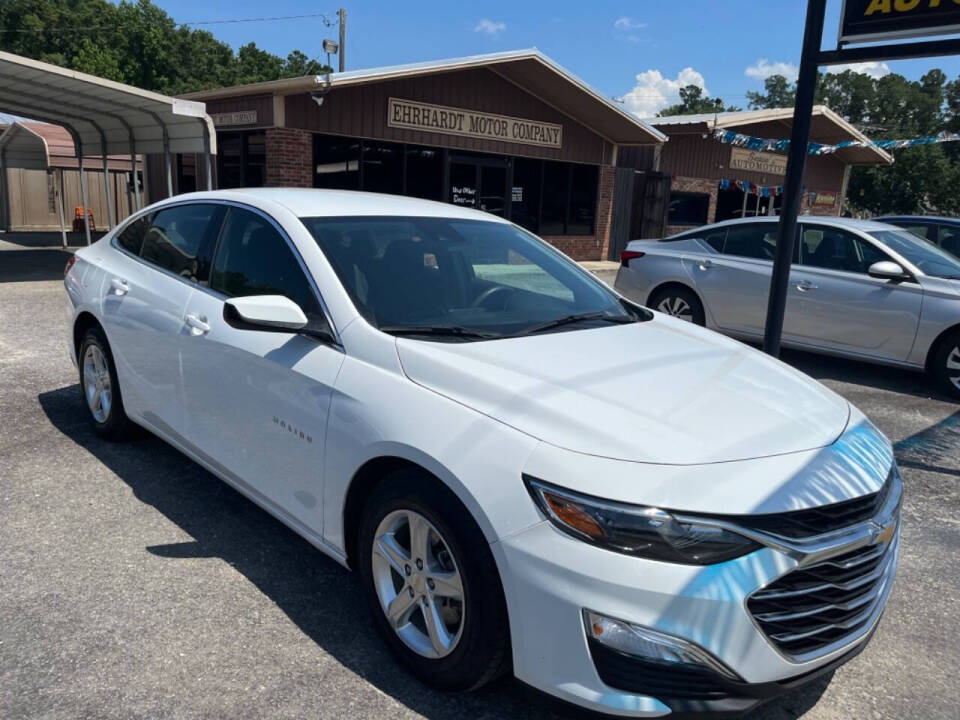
(440, 330)
(570, 319)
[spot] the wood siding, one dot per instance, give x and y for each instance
(690, 155)
(263, 104)
(361, 111)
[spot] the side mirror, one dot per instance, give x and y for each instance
(887, 270)
(273, 313)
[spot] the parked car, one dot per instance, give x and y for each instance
(942, 231)
(858, 289)
(528, 472)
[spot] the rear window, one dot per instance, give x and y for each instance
(131, 237)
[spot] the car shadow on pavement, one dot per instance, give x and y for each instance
(30, 265)
(315, 592)
(857, 372)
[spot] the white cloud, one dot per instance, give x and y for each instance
(763, 68)
(874, 69)
(653, 91)
(490, 27)
(626, 23)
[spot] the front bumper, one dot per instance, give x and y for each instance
(550, 577)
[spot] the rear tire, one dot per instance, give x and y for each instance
(945, 364)
(680, 302)
(474, 636)
(99, 387)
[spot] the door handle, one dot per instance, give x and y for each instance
(705, 264)
(197, 324)
(805, 285)
(120, 287)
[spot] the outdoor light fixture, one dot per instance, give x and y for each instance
(330, 47)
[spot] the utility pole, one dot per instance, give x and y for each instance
(343, 36)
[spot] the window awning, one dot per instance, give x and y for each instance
(103, 117)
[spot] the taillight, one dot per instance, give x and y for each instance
(70, 262)
(627, 255)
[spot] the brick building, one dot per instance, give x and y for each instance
(510, 133)
(708, 176)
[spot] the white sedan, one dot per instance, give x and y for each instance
(529, 472)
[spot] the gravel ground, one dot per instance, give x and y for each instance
(135, 584)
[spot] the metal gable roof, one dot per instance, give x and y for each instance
(826, 127)
(529, 69)
(103, 117)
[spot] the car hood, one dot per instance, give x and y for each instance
(661, 391)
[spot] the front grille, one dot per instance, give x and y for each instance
(816, 521)
(809, 609)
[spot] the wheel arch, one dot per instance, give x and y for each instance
(83, 322)
(935, 345)
(671, 284)
(377, 470)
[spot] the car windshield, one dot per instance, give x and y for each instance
(460, 280)
(925, 255)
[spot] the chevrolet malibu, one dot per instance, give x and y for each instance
(530, 473)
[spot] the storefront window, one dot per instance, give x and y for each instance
(556, 194)
(525, 193)
(241, 159)
(382, 169)
(336, 162)
(688, 208)
(424, 172)
(583, 200)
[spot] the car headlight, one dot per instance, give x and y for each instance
(647, 532)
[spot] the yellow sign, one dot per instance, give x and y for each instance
(825, 199)
(759, 162)
(411, 115)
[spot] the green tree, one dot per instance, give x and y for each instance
(693, 102)
(778, 92)
(137, 43)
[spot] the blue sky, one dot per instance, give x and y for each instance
(641, 51)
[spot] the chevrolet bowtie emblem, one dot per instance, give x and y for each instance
(881, 533)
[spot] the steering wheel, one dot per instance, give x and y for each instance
(490, 292)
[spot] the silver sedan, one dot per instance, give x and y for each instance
(858, 289)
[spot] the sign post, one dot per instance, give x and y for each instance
(860, 21)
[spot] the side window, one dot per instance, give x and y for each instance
(254, 259)
(950, 239)
(715, 239)
(921, 230)
(752, 241)
(180, 238)
(131, 238)
(833, 249)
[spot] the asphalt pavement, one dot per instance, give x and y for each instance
(134, 584)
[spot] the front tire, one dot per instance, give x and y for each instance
(99, 386)
(679, 302)
(432, 584)
(945, 364)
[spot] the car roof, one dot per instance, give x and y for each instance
(921, 218)
(312, 202)
(862, 225)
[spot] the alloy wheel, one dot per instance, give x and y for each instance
(96, 383)
(676, 306)
(418, 583)
(953, 367)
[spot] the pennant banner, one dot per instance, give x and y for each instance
(752, 188)
(728, 137)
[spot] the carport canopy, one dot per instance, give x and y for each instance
(105, 117)
(21, 147)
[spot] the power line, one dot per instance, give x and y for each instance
(99, 28)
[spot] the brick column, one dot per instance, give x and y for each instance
(605, 209)
(289, 157)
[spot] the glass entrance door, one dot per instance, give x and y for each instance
(479, 183)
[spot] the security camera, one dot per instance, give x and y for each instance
(317, 98)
